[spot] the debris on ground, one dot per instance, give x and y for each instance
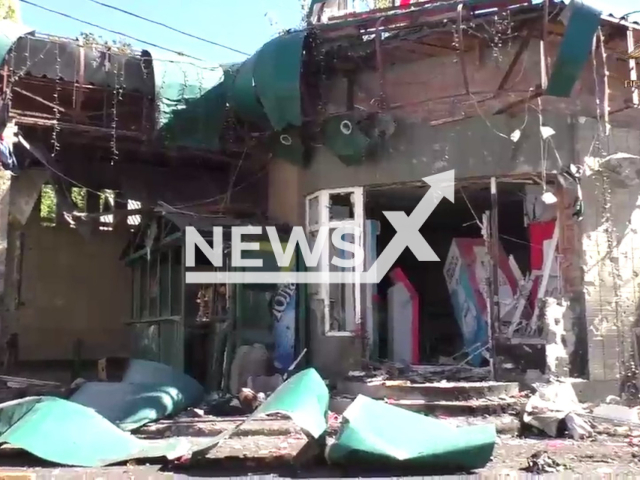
(292, 424)
(14, 388)
(149, 391)
(554, 406)
(540, 463)
(67, 433)
(334, 420)
(421, 373)
(228, 405)
(390, 435)
(615, 412)
(265, 384)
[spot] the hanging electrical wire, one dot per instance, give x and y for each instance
(169, 27)
(115, 32)
(629, 14)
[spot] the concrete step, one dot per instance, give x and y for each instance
(430, 392)
(469, 408)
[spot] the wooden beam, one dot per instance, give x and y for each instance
(633, 72)
(5, 188)
(524, 44)
(461, 52)
(120, 209)
(536, 94)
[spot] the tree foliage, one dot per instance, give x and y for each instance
(120, 46)
(10, 10)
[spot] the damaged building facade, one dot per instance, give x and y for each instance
(526, 110)
(97, 157)
(483, 157)
(544, 157)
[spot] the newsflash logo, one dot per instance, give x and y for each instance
(407, 235)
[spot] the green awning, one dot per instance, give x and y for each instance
(345, 139)
(267, 85)
(243, 97)
(9, 33)
(191, 99)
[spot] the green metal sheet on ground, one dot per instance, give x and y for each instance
(375, 431)
(342, 136)
(149, 391)
(575, 48)
(276, 74)
(304, 398)
(66, 433)
(9, 33)
(191, 99)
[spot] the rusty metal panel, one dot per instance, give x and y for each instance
(42, 57)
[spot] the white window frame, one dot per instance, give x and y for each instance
(323, 220)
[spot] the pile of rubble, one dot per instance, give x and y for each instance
(391, 415)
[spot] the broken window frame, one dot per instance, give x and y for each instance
(322, 291)
(148, 307)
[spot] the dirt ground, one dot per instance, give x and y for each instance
(599, 456)
(268, 447)
(595, 458)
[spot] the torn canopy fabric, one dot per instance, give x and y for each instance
(9, 33)
(575, 49)
(268, 83)
(148, 392)
(345, 139)
(374, 431)
(304, 398)
(191, 101)
(66, 433)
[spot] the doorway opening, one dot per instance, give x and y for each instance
(446, 300)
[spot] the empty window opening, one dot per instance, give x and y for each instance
(340, 206)
(79, 197)
(48, 205)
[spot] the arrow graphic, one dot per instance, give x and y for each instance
(408, 227)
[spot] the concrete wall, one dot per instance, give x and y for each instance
(474, 147)
(285, 200)
(330, 355)
(72, 288)
(611, 245)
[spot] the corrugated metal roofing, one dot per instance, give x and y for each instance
(68, 60)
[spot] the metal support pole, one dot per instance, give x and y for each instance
(494, 309)
(544, 65)
(380, 65)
